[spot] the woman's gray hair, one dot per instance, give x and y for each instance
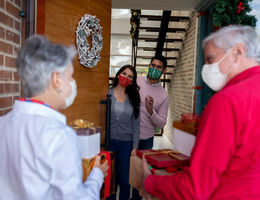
(229, 36)
(37, 60)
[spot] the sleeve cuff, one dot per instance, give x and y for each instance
(96, 174)
(135, 145)
(152, 114)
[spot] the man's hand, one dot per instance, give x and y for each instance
(149, 104)
(103, 167)
(146, 172)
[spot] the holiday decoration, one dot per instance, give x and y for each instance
(89, 26)
(233, 12)
(240, 7)
(135, 23)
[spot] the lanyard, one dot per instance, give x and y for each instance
(35, 101)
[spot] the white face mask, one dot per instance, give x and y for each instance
(212, 75)
(69, 100)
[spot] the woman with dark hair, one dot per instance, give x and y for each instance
(124, 125)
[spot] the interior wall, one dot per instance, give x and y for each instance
(58, 20)
(12, 34)
(181, 87)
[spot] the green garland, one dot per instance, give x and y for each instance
(227, 12)
(135, 23)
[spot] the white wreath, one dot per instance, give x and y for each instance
(89, 25)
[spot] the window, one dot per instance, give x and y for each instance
(121, 42)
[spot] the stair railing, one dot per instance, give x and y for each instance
(134, 33)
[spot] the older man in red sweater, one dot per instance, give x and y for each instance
(225, 161)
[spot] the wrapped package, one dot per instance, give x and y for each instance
(136, 173)
(109, 182)
(163, 158)
(90, 143)
(88, 137)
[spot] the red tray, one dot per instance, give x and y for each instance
(165, 160)
(162, 160)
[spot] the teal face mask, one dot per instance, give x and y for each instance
(154, 73)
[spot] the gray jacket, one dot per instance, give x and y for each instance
(126, 127)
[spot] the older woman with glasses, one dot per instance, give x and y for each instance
(39, 153)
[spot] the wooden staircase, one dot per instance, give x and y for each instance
(150, 22)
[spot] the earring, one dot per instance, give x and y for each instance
(59, 90)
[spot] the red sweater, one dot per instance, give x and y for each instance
(225, 161)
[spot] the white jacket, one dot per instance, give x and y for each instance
(40, 158)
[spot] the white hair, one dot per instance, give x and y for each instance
(229, 36)
(37, 60)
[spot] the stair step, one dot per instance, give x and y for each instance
(153, 49)
(150, 57)
(159, 18)
(147, 39)
(157, 29)
(165, 80)
(144, 65)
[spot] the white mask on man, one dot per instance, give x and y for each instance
(212, 75)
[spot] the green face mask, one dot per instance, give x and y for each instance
(154, 73)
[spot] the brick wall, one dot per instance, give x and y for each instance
(11, 35)
(182, 81)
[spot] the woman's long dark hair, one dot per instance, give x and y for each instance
(132, 90)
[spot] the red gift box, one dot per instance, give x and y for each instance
(192, 119)
(141, 153)
(108, 186)
(163, 158)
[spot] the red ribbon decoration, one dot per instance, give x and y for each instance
(108, 177)
(240, 7)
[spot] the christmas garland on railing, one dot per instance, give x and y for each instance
(227, 12)
(135, 23)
